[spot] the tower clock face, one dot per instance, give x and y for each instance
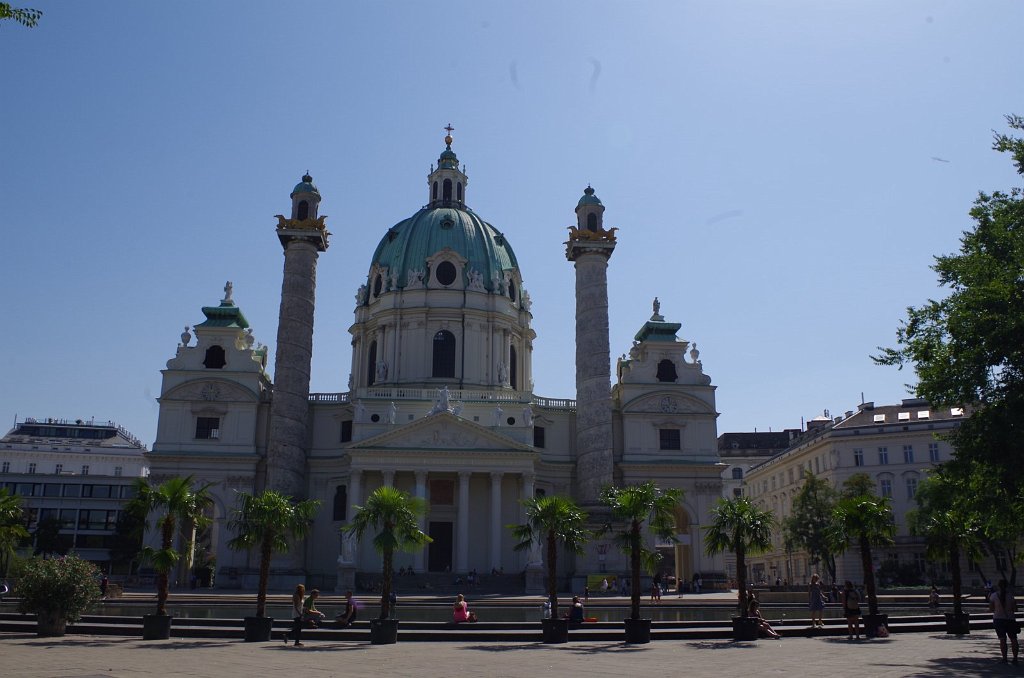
(669, 405)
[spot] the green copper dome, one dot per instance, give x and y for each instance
(588, 198)
(305, 186)
(409, 243)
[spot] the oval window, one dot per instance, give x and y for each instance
(446, 273)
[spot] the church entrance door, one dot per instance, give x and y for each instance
(439, 551)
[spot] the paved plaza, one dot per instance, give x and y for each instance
(901, 655)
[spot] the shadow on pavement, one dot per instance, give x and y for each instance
(572, 648)
(723, 644)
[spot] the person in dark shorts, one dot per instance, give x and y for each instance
(1004, 617)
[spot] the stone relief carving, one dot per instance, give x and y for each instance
(476, 281)
(415, 278)
(210, 392)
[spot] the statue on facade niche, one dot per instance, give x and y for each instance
(442, 403)
(392, 412)
(382, 371)
(361, 295)
(502, 373)
(476, 281)
(394, 281)
(348, 549)
(526, 301)
(360, 411)
(527, 415)
(498, 414)
(414, 279)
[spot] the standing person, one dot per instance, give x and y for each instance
(604, 585)
(851, 610)
(1004, 617)
(309, 611)
(104, 582)
(816, 601)
(346, 618)
(697, 582)
(298, 598)
(586, 593)
(933, 598)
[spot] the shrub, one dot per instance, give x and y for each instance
(65, 587)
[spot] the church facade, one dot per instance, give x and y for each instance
(440, 401)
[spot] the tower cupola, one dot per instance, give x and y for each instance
(305, 199)
(447, 183)
(590, 212)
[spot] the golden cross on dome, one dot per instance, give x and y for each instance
(449, 129)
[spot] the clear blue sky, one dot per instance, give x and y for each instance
(781, 173)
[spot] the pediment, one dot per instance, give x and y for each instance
(211, 390)
(665, 402)
(442, 431)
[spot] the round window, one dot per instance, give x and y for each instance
(446, 273)
(374, 418)
(511, 421)
(378, 283)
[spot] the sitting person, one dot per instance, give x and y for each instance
(575, 613)
(460, 611)
(346, 618)
(764, 629)
(310, 614)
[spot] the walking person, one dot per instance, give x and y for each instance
(851, 610)
(816, 602)
(1004, 617)
(298, 598)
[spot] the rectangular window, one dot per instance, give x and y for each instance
(207, 428)
(5, 467)
(858, 457)
(118, 470)
(85, 469)
(32, 467)
(51, 490)
(908, 454)
(911, 487)
(817, 465)
(883, 455)
(737, 492)
(669, 439)
(72, 490)
(58, 469)
(538, 436)
(346, 431)
(885, 485)
(933, 452)
(69, 517)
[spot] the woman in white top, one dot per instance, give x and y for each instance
(1004, 617)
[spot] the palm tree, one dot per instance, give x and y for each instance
(550, 520)
(176, 500)
(266, 521)
(193, 518)
(634, 505)
(12, 528)
(739, 526)
(394, 514)
(868, 521)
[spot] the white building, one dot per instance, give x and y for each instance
(440, 399)
(80, 472)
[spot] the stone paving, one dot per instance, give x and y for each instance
(917, 654)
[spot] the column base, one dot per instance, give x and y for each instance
(346, 578)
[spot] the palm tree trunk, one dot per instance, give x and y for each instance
(266, 552)
(954, 570)
(869, 574)
(741, 577)
(634, 570)
(167, 541)
(553, 573)
(385, 589)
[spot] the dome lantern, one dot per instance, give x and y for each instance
(447, 184)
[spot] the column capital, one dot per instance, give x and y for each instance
(421, 476)
(464, 475)
(497, 475)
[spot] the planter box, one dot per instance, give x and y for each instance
(258, 629)
(555, 630)
(383, 631)
(638, 631)
(958, 624)
(744, 628)
(50, 624)
(156, 626)
(873, 622)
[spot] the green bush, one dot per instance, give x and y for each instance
(65, 586)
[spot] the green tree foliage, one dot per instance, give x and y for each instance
(632, 507)
(126, 543)
(49, 539)
(857, 485)
(807, 527)
(866, 521)
(551, 520)
(394, 515)
(22, 15)
(947, 522)
(12, 528)
(65, 587)
(266, 521)
(175, 502)
(967, 348)
(742, 528)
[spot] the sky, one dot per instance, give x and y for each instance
(781, 173)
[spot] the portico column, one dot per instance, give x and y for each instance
(355, 477)
(462, 552)
(496, 531)
(389, 478)
(528, 491)
(421, 492)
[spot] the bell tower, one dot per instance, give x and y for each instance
(590, 247)
(304, 236)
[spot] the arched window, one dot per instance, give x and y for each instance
(433, 192)
(592, 222)
(444, 354)
(458, 191)
(378, 284)
(303, 213)
(512, 367)
(446, 190)
(215, 358)
(667, 370)
(340, 502)
(371, 364)
(737, 473)
(512, 290)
